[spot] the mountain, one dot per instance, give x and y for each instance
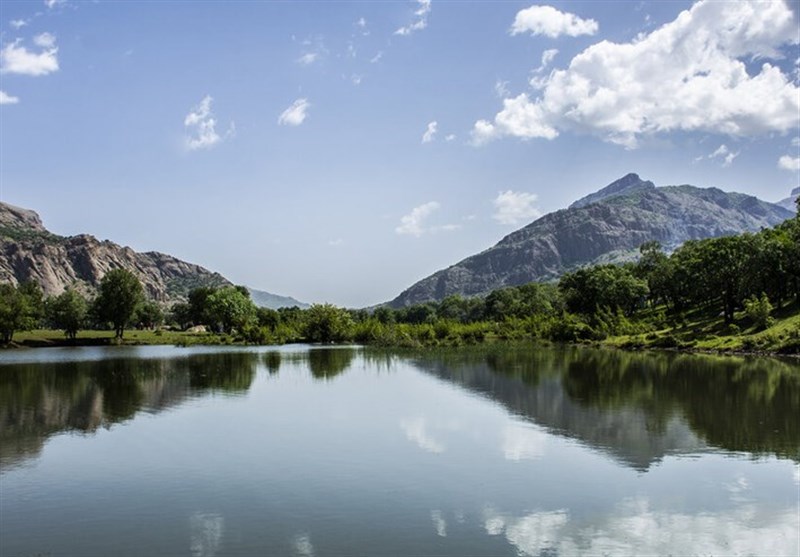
(274, 301)
(789, 202)
(605, 227)
(28, 251)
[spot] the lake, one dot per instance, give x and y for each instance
(309, 451)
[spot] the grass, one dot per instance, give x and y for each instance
(705, 331)
(49, 337)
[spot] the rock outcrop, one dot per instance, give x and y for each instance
(29, 252)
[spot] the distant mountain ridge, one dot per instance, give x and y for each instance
(28, 251)
(606, 226)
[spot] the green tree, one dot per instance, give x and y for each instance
(327, 323)
(120, 294)
(603, 286)
(21, 308)
(230, 308)
(67, 311)
(759, 310)
(149, 315)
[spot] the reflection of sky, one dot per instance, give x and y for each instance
(635, 527)
(302, 546)
(416, 430)
(205, 534)
(523, 441)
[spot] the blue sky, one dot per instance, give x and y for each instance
(340, 151)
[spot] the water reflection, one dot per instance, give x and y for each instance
(638, 407)
(637, 527)
(39, 400)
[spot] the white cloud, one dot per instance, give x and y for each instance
(5, 98)
(54, 3)
(688, 75)
(501, 88)
(430, 132)
(201, 126)
(789, 163)
(723, 153)
(548, 21)
(45, 40)
(356, 79)
(295, 114)
(547, 57)
(18, 23)
(421, 19)
(16, 58)
(450, 137)
(308, 58)
(796, 142)
(336, 242)
(361, 22)
(513, 207)
(412, 223)
(377, 58)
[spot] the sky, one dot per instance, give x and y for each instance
(340, 151)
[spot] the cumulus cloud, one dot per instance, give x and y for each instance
(54, 3)
(17, 23)
(5, 98)
(430, 132)
(548, 21)
(295, 114)
(201, 126)
(15, 58)
(513, 207)
(420, 19)
(789, 163)
(413, 223)
(688, 75)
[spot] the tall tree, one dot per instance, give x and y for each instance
(120, 294)
(67, 311)
(21, 308)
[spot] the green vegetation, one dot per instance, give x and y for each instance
(120, 294)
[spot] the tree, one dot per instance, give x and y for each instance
(149, 315)
(230, 308)
(20, 308)
(327, 323)
(120, 294)
(602, 286)
(67, 311)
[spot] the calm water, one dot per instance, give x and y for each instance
(336, 452)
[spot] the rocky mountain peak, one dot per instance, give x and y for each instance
(18, 218)
(623, 186)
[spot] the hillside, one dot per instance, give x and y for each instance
(28, 251)
(608, 226)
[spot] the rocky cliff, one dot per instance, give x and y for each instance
(29, 252)
(608, 226)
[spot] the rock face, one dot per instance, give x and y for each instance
(607, 226)
(789, 202)
(29, 252)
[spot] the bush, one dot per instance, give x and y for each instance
(759, 310)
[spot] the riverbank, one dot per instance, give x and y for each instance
(696, 333)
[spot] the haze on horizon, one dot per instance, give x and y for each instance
(341, 151)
